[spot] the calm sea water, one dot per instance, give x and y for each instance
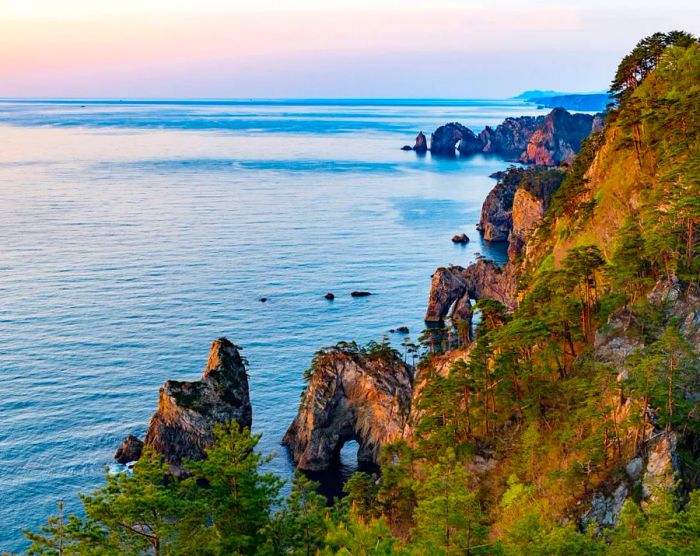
(133, 234)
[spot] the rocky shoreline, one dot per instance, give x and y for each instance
(540, 140)
(368, 394)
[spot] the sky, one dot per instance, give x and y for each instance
(321, 48)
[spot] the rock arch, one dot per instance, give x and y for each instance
(353, 394)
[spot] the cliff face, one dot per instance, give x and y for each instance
(510, 138)
(181, 428)
(496, 220)
(517, 203)
(558, 139)
(352, 394)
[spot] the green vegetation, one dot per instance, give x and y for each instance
(515, 432)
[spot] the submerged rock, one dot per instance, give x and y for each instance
(352, 394)
(360, 294)
(182, 426)
(130, 450)
(329, 296)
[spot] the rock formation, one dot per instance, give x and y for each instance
(181, 428)
(541, 140)
(421, 145)
(447, 286)
(460, 238)
(496, 219)
(360, 294)
(130, 450)
(510, 138)
(517, 203)
(452, 289)
(352, 394)
(453, 136)
(558, 139)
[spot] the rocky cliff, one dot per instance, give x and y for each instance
(352, 394)
(453, 288)
(510, 138)
(517, 203)
(181, 427)
(539, 140)
(558, 139)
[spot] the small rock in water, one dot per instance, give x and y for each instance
(407, 148)
(392, 330)
(460, 238)
(263, 299)
(360, 294)
(402, 330)
(130, 450)
(329, 296)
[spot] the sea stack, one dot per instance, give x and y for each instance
(182, 426)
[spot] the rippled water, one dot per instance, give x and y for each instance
(133, 234)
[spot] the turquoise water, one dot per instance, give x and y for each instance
(133, 234)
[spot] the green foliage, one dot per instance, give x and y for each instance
(449, 519)
(362, 493)
(639, 63)
(300, 527)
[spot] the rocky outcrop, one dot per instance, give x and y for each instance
(517, 203)
(447, 286)
(452, 289)
(510, 138)
(460, 238)
(454, 136)
(661, 472)
(558, 139)
(541, 140)
(421, 145)
(130, 450)
(181, 428)
(496, 220)
(352, 394)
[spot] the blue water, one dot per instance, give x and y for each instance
(133, 234)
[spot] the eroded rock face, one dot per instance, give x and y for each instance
(496, 220)
(447, 286)
(351, 395)
(453, 287)
(421, 145)
(130, 450)
(486, 279)
(516, 205)
(510, 138)
(181, 428)
(453, 136)
(558, 139)
(662, 464)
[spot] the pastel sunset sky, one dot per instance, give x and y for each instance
(321, 48)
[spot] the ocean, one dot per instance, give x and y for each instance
(132, 234)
